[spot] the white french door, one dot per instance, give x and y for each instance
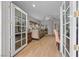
(69, 28)
(18, 29)
(65, 30)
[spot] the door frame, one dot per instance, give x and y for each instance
(0, 29)
(72, 28)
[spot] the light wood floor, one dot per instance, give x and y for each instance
(45, 47)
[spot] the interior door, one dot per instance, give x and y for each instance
(18, 29)
(77, 30)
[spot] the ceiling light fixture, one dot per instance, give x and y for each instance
(34, 5)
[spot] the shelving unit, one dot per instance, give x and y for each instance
(38, 30)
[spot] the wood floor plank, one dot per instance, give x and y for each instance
(45, 47)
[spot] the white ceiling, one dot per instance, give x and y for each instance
(42, 9)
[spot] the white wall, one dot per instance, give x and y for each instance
(0, 28)
(6, 28)
(50, 27)
(30, 18)
(49, 24)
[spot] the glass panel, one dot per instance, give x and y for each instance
(17, 45)
(18, 21)
(67, 15)
(23, 35)
(68, 30)
(68, 44)
(63, 40)
(63, 19)
(17, 29)
(77, 19)
(63, 49)
(67, 4)
(64, 6)
(23, 41)
(17, 18)
(23, 29)
(18, 37)
(23, 16)
(17, 13)
(24, 23)
(67, 55)
(63, 29)
(20, 26)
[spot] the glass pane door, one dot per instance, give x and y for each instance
(66, 29)
(23, 29)
(20, 29)
(17, 29)
(67, 46)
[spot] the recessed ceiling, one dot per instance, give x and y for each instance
(41, 9)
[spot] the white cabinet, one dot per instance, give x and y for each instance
(18, 29)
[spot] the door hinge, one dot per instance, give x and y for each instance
(76, 47)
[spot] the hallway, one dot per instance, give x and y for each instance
(24, 21)
(45, 47)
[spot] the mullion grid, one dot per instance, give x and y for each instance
(65, 29)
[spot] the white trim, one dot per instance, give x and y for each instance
(20, 49)
(20, 9)
(0, 29)
(64, 25)
(66, 50)
(73, 32)
(61, 39)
